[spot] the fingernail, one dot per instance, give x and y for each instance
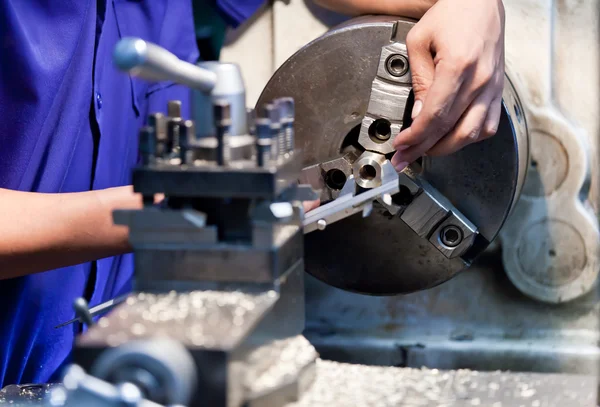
(417, 108)
(401, 148)
(399, 167)
(397, 162)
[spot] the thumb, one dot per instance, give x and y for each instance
(310, 205)
(422, 67)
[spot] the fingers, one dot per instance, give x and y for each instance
(445, 82)
(458, 111)
(310, 205)
(399, 162)
(401, 159)
(439, 114)
(422, 68)
(479, 122)
(469, 129)
(492, 120)
(457, 87)
(436, 119)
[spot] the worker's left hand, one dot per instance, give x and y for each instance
(310, 205)
(456, 55)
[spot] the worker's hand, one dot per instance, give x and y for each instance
(310, 205)
(456, 55)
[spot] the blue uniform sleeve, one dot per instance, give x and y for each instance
(235, 12)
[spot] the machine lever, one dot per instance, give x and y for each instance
(151, 62)
(82, 310)
(94, 311)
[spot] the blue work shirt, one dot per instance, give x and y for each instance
(68, 123)
(236, 12)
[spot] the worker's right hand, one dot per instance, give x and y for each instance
(456, 55)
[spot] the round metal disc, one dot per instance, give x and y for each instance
(330, 80)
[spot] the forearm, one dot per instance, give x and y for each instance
(405, 8)
(47, 231)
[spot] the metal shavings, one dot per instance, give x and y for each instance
(27, 394)
(339, 384)
(345, 385)
(277, 363)
(204, 319)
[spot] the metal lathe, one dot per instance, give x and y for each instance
(218, 311)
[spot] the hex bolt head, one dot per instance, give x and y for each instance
(451, 236)
(174, 108)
